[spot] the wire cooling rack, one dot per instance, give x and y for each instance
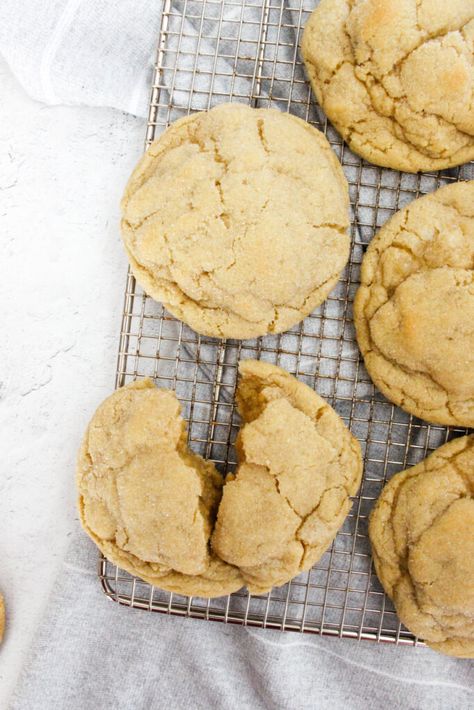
(209, 52)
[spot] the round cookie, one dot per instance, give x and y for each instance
(421, 531)
(299, 465)
(147, 501)
(236, 219)
(396, 78)
(414, 310)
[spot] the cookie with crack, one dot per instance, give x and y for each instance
(414, 310)
(396, 78)
(145, 499)
(236, 219)
(299, 465)
(422, 535)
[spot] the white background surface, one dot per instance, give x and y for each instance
(62, 171)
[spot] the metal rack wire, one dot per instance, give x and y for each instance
(214, 51)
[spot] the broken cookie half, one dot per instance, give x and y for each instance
(145, 499)
(299, 465)
(165, 514)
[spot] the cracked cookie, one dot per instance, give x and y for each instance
(299, 465)
(414, 310)
(396, 78)
(236, 219)
(150, 504)
(145, 499)
(422, 535)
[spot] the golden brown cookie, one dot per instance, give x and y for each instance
(236, 219)
(414, 310)
(422, 535)
(396, 78)
(146, 500)
(299, 465)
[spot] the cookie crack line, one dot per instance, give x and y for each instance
(302, 519)
(443, 32)
(262, 137)
(429, 37)
(403, 229)
(401, 128)
(282, 495)
(467, 480)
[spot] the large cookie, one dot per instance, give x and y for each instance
(236, 219)
(299, 465)
(422, 535)
(150, 504)
(414, 310)
(396, 78)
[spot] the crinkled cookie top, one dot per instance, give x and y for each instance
(422, 535)
(236, 219)
(150, 504)
(299, 465)
(414, 310)
(396, 77)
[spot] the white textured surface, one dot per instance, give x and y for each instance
(63, 269)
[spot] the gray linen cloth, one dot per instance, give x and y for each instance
(93, 653)
(90, 652)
